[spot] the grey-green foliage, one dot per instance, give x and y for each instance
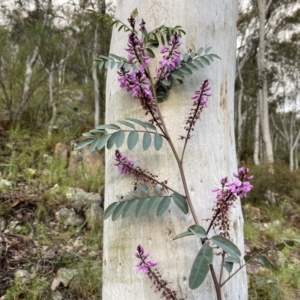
(110, 135)
(144, 200)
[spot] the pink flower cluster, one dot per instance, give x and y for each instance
(240, 186)
(226, 197)
(123, 162)
(135, 82)
(145, 264)
(171, 59)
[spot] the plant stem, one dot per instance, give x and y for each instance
(222, 266)
(215, 280)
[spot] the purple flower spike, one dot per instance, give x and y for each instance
(146, 265)
(171, 59)
(200, 101)
(226, 197)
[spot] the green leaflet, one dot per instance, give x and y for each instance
(232, 259)
(108, 126)
(263, 260)
(183, 234)
(102, 141)
(204, 60)
(146, 140)
(126, 123)
(200, 266)
(158, 141)
(152, 204)
(93, 145)
(226, 245)
(150, 52)
(144, 188)
(228, 266)
(119, 139)
(198, 231)
(129, 207)
(110, 209)
(118, 210)
(111, 140)
(180, 201)
(163, 205)
(132, 140)
(141, 206)
(84, 143)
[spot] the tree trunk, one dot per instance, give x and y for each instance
(51, 99)
(94, 73)
(263, 88)
(240, 116)
(26, 87)
(210, 155)
(257, 135)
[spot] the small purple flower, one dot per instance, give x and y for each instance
(142, 25)
(123, 162)
(234, 186)
(164, 49)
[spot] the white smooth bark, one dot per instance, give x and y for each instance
(210, 155)
(94, 73)
(51, 99)
(263, 91)
(256, 135)
(31, 61)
